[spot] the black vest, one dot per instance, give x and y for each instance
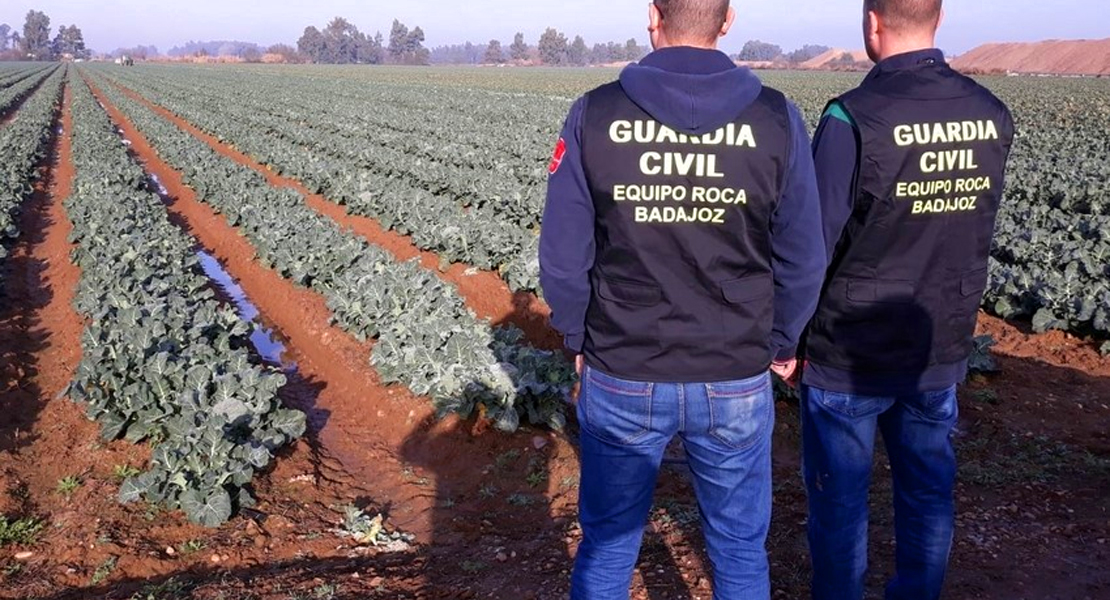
(682, 283)
(910, 269)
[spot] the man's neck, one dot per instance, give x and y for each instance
(905, 45)
(686, 44)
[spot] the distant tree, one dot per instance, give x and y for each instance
(807, 52)
(553, 47)
(340, 42)
(758, 51)
(578, 54)
(370, 50)
(607, 53)
(458, 54)
(494, 54)
(138, 52)
(633, 51)
(311, 44)
(519, 49)
(252, 55)
(398, 41)
(5, 36)
(599, 54)
(36, 36)
(287, 53)
(69, 41)
(472, 54)
(417, 53)
(407, 47)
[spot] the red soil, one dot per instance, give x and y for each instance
(1060, 57)
(484, 291)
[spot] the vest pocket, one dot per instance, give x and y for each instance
(974, 284)
(955, 337)
(734, 328)
(628, 292)
(881, 291)
(748, 289)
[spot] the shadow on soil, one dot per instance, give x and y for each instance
(1034, 489)
(24, 293)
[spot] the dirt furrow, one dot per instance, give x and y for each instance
(484, 291)
(39, 331)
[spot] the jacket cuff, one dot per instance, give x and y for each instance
(786, 354)
(574, 342)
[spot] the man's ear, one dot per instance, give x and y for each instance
(655, 18)
(940, 19)
(874, 23)
(730, 19)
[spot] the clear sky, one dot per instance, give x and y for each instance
(110, 24)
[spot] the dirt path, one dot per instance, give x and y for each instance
(484, 291)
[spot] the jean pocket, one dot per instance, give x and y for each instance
(740, 413)
(852, 405)
(615, 410)
(936, 406)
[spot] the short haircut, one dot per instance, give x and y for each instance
(906, 15)
(699, 20)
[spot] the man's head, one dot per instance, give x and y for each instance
(698, 23)
(894, 26)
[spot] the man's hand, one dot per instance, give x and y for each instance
(579, 367)
(786, 370)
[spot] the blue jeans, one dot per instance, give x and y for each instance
(838, 438)
(626, 426)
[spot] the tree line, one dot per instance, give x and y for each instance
(340, 42)
(553, 48)
(34, 41)
(759, 51)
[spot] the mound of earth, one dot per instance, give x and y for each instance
(838, 58)
(1057, 57)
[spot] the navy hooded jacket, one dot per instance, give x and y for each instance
(694, 91)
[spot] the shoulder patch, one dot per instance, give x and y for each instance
(836, 111)
(557, 156)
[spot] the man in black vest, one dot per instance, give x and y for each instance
(681, 255)
(910, 167)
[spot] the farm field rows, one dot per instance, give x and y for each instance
(469, 184)
(381, 226)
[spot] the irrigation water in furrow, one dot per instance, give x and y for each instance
(263, 339)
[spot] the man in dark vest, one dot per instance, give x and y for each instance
(681, 255)
(910, 168)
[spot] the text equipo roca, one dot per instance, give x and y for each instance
(700, 165)
(950, 195)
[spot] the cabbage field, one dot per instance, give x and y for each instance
(456, 160)
(382, 226)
